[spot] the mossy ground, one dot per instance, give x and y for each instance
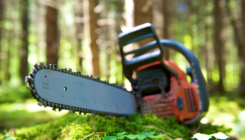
(74, 126)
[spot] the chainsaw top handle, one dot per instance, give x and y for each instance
(198, 76)
(138, 33)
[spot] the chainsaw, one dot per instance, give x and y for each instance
(158, 86)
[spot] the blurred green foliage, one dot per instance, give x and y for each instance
(14, 94)
(228, 109)
(17, 115)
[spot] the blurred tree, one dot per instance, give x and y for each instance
(238, 39)
(79, 35)
(191, 23)
(143, 14)
(52, 33)
(242, 49)
(219, 48)
(1, 33)
(119, 23)
(106, 32)
(165, 25)
(91, 26)
(142, 11)
(119, 18)
(9, 35)
(25, 43)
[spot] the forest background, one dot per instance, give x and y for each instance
(82, 35)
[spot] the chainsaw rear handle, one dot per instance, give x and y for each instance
(140, 32)
(199, 79)
(197, 73)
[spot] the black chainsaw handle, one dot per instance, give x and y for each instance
(199, 79)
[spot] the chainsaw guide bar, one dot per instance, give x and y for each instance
(63, 89)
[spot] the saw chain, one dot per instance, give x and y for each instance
(56, 106)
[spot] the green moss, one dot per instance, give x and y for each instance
(17, 115)
(51, 130)
(74, 126)
(211, 129)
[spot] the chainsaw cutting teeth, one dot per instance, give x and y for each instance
(55, 66)
(69, 71)
(32, 74)
(64, 70)
(26, 79)
(36, 96)
(45, 103)
(39, 102)
(29, 88)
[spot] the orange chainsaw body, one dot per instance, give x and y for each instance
(164, 107)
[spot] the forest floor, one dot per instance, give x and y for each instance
(24, 119)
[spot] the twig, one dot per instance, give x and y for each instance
(196, 130)
(97, 137)
(94, 133)
(164, 131)
(88, 136)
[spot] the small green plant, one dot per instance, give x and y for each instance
(216, 136)
(9, 138)
(140, 136)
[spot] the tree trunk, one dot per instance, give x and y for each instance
(1, 33)
(91, 26)
(242, 49)
(119, 22)
(8, 57)
(79, 35)
(106, 31)
(207, 59)
(25, 43)
(143, 14)
(218, 43)
(165, 26)
(52, 39)
(237, 40)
